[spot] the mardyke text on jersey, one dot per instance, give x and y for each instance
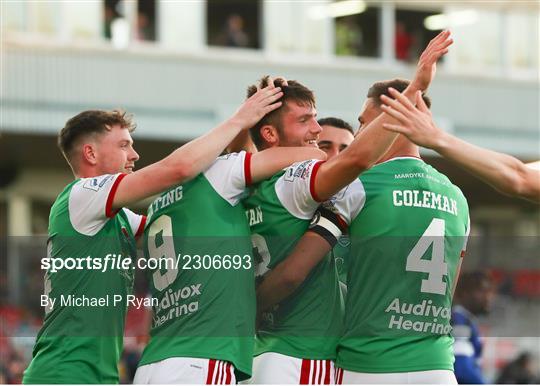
(102, 301)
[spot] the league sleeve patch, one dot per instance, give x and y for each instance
(96, 183)
(224, 157)
(300, 170)
(289, 175)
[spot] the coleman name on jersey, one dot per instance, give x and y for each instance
(424, 199)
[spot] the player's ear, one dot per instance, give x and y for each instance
(89, 153)
(270, 134)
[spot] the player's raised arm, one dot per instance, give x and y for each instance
(372, 142)
(268, 162)
(329, 223)
(287, 276)
(195, 156)
(504, 172)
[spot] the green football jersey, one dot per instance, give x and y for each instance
(306, 324)
(340, 251)
(206, 299)
(81, 337)
(406, 244)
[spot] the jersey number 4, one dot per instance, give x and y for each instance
(436, 267)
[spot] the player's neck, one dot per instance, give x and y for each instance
(88, 172)
(401, 150)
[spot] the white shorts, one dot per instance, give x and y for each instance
(272, 368)
(186, 370)
(439, 377)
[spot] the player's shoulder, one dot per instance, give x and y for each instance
(298, 170)
(79, 188)
(353, 194)
(93, 184)
(60, 207)
(63, 196)
(227, 161)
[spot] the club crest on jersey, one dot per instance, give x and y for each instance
(344, 241)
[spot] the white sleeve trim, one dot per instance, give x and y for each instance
(293, 190)
(349, 201)
(134, 220)
(87, 203)
(227, 177)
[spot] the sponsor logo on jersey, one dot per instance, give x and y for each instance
(418, 175)
(176, 303)
(436, 318)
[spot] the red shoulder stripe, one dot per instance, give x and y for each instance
(312, 181)
(110, 198)
(247, 169)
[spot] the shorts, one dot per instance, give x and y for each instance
(186, 370)
(441, 377)
(272, 368)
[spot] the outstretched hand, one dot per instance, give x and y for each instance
(416, 123)
(427, 64)
(257, 106)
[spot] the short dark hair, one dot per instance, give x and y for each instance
(293, 92)
(87, 123)
(381, 88)
(336, 122)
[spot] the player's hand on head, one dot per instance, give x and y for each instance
(281, 80)
(427, 64)
(415, 122)
(278, 81)
(264, 101)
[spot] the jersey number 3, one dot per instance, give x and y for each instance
(436, 267)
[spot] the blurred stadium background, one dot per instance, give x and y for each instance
(181, 67)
